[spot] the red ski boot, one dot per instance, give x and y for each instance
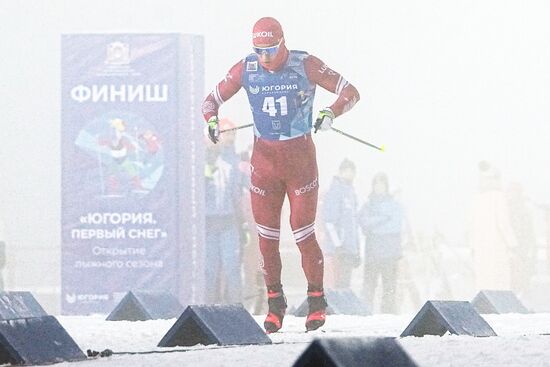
(277, 307)
(317, 309)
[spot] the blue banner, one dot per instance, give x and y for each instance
(132, 192)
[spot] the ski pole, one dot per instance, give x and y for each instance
(380, 148)
(235, 128)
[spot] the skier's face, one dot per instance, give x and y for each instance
(267, 52)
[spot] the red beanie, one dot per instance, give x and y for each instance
(267, 31)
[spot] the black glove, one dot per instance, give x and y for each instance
(324, 120)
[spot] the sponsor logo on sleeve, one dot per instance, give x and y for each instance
(324, 68)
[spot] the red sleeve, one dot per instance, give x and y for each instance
(319, 73)
(224, 90)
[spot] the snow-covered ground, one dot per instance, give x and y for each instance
(520, 342)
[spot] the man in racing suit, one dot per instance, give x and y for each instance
(280, 84)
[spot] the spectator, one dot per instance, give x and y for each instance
(521, 219)
(491, 236)
(2, 254)
(339, 210)
(381, 219)
(223, 219)
(547, 233)
(407, 283)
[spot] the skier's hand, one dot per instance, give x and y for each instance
(214, 129)
(324, 120)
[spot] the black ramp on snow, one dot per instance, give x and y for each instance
(214, 324)
(36, 340)
(354, 351)
(498, 301)
(16, 305)
(146, 305)
(456, 317)
(340, 302)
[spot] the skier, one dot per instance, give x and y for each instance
(280, 84)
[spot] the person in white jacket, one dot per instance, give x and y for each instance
(491, 235)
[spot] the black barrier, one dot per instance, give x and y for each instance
(498, 301)
(36, 340)
(340, 302)
(214, 324)
(440, 317)
(17, 305)
(354, 351)
(146, 305)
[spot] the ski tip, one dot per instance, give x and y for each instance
(382, 148)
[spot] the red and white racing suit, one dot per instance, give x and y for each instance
(283, 159)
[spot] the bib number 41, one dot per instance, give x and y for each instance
(270, 106)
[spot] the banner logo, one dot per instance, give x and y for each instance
(118, 53)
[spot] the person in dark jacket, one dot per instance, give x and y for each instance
(223, 192)
(381, 220)
(339, 210)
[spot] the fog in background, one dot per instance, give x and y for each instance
(444, 84)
